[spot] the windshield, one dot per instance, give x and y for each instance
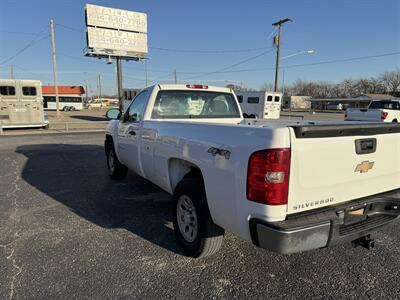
(194, 105)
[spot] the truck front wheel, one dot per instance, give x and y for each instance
(116, 170)
(196, 234)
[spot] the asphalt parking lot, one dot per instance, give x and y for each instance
(68, 232)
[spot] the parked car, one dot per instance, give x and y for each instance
(286, 186)
(98, 103)
(378, 111)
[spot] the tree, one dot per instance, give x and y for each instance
(391, 81)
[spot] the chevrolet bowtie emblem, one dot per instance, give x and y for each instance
(364, 167)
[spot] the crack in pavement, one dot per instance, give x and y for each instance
(17, 270)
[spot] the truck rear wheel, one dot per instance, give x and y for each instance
(116, 170)
(196, 234)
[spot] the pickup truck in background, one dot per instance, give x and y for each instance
(283, 185)
(378, 111)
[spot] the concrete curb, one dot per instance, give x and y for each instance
(47, 132)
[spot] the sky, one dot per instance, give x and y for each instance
(232, 37)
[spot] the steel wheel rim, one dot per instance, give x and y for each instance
(111, 161)
(187, 218)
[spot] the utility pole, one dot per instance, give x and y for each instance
(98, 86)
(86, 92)
(175, 80)
(119, 82)
(145, 72)
(277, 42)
(11, 71)
(53, 47)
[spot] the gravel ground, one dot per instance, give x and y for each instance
(68, 232)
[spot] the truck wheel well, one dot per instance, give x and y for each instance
(180, 169)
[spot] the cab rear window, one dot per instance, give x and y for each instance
(171, 104)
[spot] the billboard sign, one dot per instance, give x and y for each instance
(116, 32)
(101, 16)
(117, 40)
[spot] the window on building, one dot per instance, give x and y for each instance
(269, 98)
(6, 90)
(253, 100)
(276, 98)
(29, 91)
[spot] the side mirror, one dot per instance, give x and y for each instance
(113, 114)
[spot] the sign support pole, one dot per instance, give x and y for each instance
(119, 82)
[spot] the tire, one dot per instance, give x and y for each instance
(201, 237)
(72, 108)
(245, 116)
(116, 170)
(394, 121)
(65, 108)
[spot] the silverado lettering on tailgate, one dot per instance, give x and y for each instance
(314, 203)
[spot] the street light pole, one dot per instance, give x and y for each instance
(277, 42)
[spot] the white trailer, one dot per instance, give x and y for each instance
(262, 105)
(21, 104)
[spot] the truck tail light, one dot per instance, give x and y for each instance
(197, 86)
(384, 115)
(268, 176)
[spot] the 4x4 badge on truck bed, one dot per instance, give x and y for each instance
(364, 167)
(214, 151)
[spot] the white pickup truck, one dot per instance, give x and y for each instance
(285, 186)
(378, 111)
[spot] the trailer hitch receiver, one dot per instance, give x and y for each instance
(365, 242)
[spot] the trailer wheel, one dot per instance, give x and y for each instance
(196, 233)
(116, 170)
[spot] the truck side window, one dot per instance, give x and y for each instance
(7, 90)
(29, 91)
(136, 109)
(240, 99)
(253, 100)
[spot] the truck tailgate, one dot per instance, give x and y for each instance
(363, 114)
(326, 168)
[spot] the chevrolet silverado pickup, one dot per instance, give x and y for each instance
(378, 111)
(283, 185)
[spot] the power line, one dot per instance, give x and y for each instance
(70, 28)
(233, 65)
(208, 51)
(317, 63)
(186, 50)
(30, 44)
(18, 32)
